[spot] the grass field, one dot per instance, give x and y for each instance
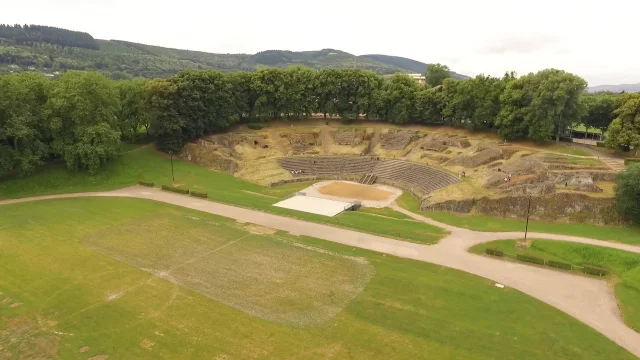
(136, 279)
(566, 149)
(149, 165)
(630, 235)
(624, 265)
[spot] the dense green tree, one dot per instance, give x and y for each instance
(243, 94)
(541, 105)
(600, 109)
(298, 91)
(624, 131)
(327, 82)
(358, 93)
(82, 108)
(166, 125)
(627, 192)
(431, 106)
(130, 114)
(268, 83)
(23, 132)
(400, 99)
(435, 74)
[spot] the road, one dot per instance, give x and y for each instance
(588, 299)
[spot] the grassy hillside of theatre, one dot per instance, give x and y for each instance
(136, 279)
(121, 59)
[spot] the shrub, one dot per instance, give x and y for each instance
(255, 126)
(530, 259)
(175, 190)
(494, 252)
(594, 270)
(145, 183)
(631, 161)
(559, 265)
(600, 144)
(198, 194)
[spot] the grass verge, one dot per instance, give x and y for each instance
(146, 164)
(629, 235)
(623, 264)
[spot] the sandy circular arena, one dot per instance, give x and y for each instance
(375, 195)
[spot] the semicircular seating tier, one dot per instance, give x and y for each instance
(405, 173)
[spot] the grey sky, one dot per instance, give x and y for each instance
(592, 38)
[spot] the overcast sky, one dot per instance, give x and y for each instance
(595, 39)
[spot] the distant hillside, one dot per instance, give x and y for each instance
(615, 88)
(51, 49)
(406, 63)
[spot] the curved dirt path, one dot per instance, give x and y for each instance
(588, 299)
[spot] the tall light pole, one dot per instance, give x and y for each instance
(172, 176)
(526, 228)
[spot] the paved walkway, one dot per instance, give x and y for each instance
(588, 299)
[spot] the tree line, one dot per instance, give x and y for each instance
(28, 35)
(81, 117)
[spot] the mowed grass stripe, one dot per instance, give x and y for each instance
(407, 310)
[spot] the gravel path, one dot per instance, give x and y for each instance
(588, 299)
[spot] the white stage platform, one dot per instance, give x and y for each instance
(314, 205)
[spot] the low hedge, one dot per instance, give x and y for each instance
(559, 265)
(146, 183)
(494, 252)
(631, 161)
(175, 190)
(198, 194)
(594, 270)
(530, 259)
(255, 126)
(600, 144)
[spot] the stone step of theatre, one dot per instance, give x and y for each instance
(413, 175)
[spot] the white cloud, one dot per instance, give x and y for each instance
(593, 38)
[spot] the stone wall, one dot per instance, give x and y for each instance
(568, 207)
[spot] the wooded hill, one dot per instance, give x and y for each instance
(53, 49)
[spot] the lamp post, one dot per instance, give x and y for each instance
(526, 228)
(172, 176)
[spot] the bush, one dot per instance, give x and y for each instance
(559, 265)
(631, 161)
(255, 126)
(199, 194)
(600, 144)
(594, 270)
(530, 259)
(145, 183)
(175, 190)
(627, 193)
(494, 252)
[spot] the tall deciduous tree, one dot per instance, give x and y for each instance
(627, 192)
(24, 135)
(539, 106)
(131, 116)
(600, 109)
(400, 99)
(624, 131)
(435, 74)
(82, 108)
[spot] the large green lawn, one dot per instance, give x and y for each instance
(624, 265)
(630, 235)
(136, 279)
(149, 165)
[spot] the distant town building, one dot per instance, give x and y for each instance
(419, 78)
